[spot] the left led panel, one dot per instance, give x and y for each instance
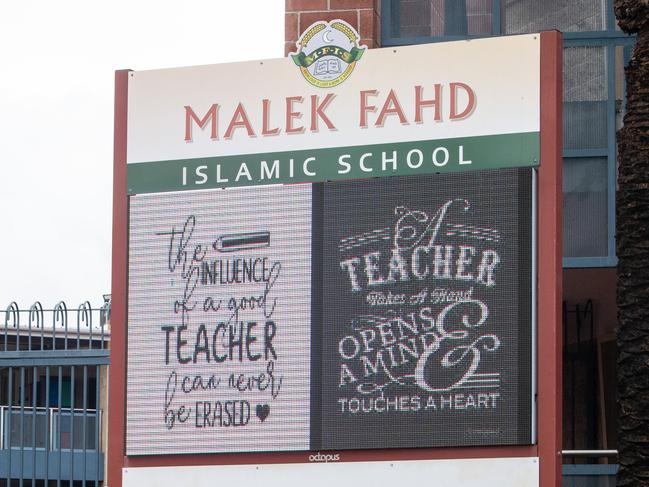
(219, 321)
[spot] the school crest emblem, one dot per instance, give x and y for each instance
(328, 52)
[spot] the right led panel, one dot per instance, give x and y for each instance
(426, 329)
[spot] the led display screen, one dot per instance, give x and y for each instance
(219, 321)
(385, 313)
(426, 312)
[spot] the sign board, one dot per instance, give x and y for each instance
(319, 261)
(407, 110)
(498, 472)
(389, 312)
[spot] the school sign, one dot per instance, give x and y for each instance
(386, 302)
(404, 111)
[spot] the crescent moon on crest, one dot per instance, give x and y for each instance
(326, 38)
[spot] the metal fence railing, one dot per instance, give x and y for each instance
(53, 370)
(65, 329)
(49, 428)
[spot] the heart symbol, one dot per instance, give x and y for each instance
(263, 410)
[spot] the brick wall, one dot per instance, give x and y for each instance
(363, 15)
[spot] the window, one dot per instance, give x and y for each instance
(594, 55)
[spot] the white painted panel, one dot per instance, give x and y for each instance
(503, 72)
(489, 472)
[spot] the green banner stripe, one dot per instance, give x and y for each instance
(357, 162)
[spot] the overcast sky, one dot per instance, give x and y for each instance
(56, 122)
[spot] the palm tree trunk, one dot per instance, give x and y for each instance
(632, 204)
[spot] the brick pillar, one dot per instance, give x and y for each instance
(363, 15)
